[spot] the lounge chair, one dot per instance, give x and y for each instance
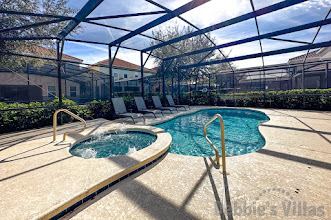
(158, 104)
(120, 110)
(141, 106)
(172, 103)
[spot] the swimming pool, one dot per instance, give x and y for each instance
(112, 144)
(242, 135)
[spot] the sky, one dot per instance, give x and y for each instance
(210, 13)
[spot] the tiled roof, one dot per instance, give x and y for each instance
(155, 69)
(123, 63)
(312, 54)
(50, 53)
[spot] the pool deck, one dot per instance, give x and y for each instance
(294, 166)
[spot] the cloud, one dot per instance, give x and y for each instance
(90, 46)
(91, 53)
(134, 57)
(210, 13)
(214, 12)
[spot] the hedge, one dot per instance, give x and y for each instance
(20, 116)
(310, 99)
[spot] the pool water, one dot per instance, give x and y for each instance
(241, 132)
(112, 144)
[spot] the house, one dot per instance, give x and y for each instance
(81, 84)
(38, 83)
(126, 75)
(282, 76)
(316, 75)
(252, 79)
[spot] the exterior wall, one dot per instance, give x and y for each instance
(312, 81)
(97, 68)
(271, 85)
(9, 78)
(120, 72)
(316, 77)
(326, 53)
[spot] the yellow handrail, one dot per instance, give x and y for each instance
(69, 132)
(222, 137)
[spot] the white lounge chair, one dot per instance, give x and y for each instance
(120, 110)
(158, 104)
(141, 106)
(172, 103)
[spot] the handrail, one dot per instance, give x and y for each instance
(69, 132)
(222, 137)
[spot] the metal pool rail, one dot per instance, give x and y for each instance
(222, 137)
(69, 132)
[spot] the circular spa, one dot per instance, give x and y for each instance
(242, 135)
(112, 144)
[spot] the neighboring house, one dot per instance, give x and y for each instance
(280, 76)
(251, 79)
(315, 76)
(274, 79)
(126, 75)
(38, 83)
(78, 83)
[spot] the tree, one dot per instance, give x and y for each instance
(53, 7)
(195, 43)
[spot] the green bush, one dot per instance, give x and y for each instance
(311, 99)
(98, 109)
(38, 114)
(24, 116)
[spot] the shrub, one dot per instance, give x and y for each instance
(20, 116)
(312, 99)
(98, 109)
(24, 116)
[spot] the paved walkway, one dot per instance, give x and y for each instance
(288, 178)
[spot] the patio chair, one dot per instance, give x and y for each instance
(158, 105)
(141, 106)
(172, 103)
(120, 110)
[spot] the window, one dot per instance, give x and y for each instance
(73, 91)
(51, 91)
(125, 74)
(136, 74)
(115, 73)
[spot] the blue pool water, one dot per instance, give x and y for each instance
(111, 145)
(241, 132)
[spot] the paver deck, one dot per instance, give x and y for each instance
(294, 166)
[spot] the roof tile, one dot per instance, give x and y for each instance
(51, 53)
(123, 63)
(312, 54)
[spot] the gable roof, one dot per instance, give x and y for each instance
(155, 69)
(312, 54)
(123, 63)
(50, 53)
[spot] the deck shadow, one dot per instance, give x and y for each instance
(33, 169)
(20, 137)
(296, 129)
(143, 202)
(152, 202)
(219, 203)
(320, 133)
(294, 158)
(5, 160)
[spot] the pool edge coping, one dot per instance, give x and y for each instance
(148, 128)
(159, 148)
